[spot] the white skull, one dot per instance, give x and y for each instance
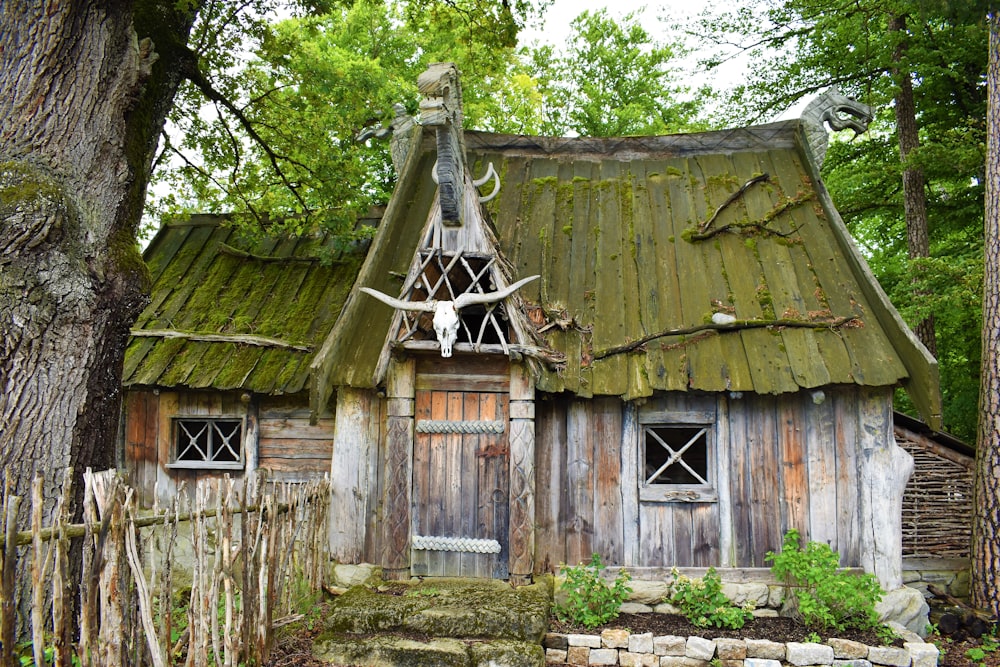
(446, 325)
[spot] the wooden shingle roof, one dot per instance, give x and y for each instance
(227, 313)
(634, 237)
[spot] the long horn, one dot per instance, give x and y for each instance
(425, 306)
(468, 298)
(490, 171)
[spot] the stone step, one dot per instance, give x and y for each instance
(390, 651)
(445, 608)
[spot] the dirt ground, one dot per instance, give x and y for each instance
(293, 646)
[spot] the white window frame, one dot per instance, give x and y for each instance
(176, 430)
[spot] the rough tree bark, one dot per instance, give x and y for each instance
(986, 513)
(85, 89)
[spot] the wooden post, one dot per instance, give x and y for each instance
(38, 563)
(110, 638)
(630, 483)
(885, 469)
(61, 600)
(398, 473)
(522, 474)
(352, 480)
(12, 504)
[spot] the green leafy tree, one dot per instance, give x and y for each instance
(612, 79)
(921, 65)
(287, 155)
(283, 153)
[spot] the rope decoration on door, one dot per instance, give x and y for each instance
(460, 544)
(464, 427)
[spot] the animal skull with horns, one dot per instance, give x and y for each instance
(446, 312)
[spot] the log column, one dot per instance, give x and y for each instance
(885, 469)
(522, 475)
(398, 467)
(351, 473)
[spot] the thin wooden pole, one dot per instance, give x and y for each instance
(61, 607)
(9, 600)
(39, 556)
(142, 590)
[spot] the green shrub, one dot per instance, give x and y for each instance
(703, 602)
(590, 600)
(827, 597)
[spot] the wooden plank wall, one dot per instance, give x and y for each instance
(794, 464)
(578, 500)
(354, 475)
(678, 534)
(787, 461)
(290, 447)
(141, 422)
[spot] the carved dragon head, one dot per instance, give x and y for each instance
(843, 112)
(840, 111)
(446, 319)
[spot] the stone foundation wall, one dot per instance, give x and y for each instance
(620, 647)
(948, 574)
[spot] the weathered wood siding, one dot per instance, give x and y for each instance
(794, 464)
(148, 437)
(292, 448)
(141, 424)
(781, 462)
(277, 436)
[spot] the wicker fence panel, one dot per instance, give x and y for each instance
(937, 503)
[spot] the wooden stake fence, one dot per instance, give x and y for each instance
(246, 552)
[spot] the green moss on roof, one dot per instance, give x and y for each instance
(199, 287)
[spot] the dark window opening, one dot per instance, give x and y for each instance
(676, 455)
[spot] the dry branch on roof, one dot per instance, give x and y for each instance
(207, 337)
(738, 325)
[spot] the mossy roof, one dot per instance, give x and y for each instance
(608, 224)
(272, 295)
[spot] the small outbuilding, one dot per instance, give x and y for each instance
(664, 350)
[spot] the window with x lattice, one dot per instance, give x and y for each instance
(213, 443)
(678, 462)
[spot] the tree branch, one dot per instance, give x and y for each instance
(763, 178)
(738, 325)
(196, 77)
(209, 337)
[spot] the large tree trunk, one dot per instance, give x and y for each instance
(986, 519)
(914, 196)
(83, 98)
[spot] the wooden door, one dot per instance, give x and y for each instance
(460, 484)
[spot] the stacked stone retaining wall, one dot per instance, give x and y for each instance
(620, 647)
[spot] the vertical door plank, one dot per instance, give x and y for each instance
(608, 518)
(550, 485)
(470, 488)
(794, 481)
(580, 480)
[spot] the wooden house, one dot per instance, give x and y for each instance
(704, 362)
(217, 369)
